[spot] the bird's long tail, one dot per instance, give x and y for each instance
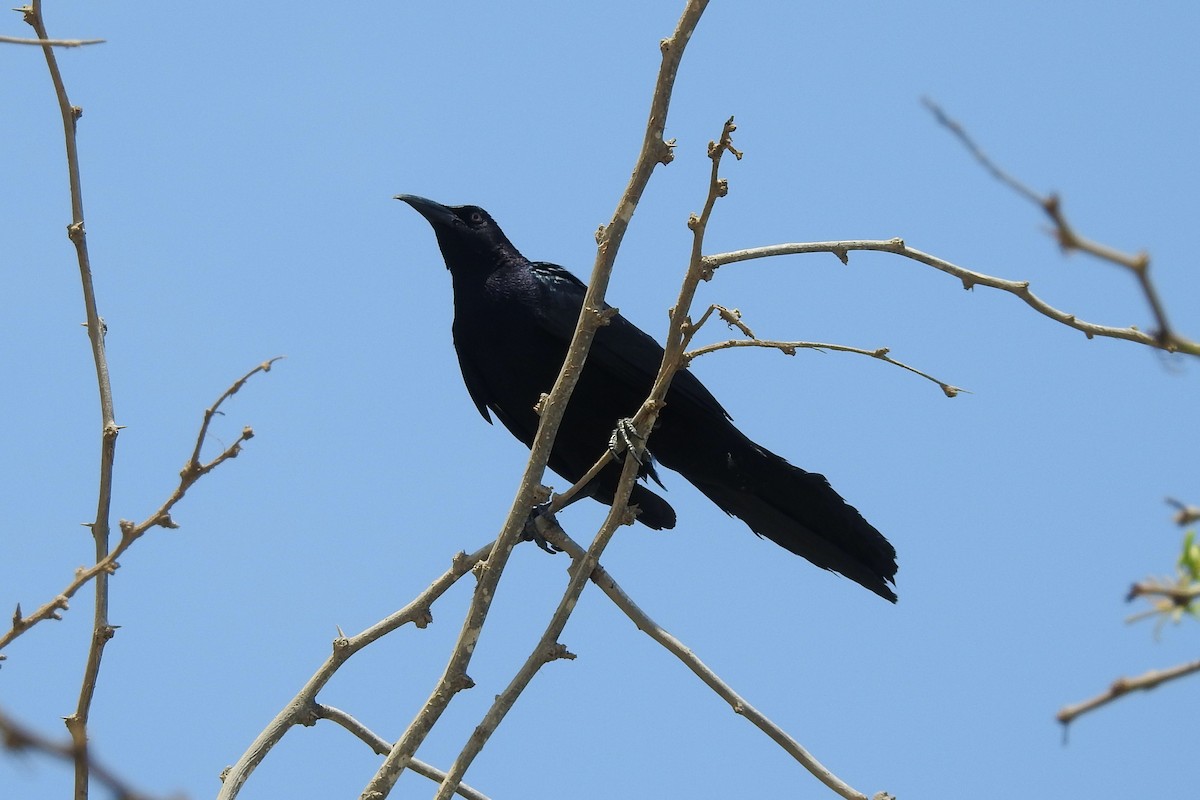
(797, 510)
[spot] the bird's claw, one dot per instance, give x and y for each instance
(530, 533)
(625, 438)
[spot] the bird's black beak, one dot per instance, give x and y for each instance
(436, 214)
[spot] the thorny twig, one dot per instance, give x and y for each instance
(77, 721)
(734, 318)
(969, 278)
(131, 532)
(300, 709)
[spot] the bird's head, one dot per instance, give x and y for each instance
(467, 235)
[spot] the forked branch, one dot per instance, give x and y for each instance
(130, 531)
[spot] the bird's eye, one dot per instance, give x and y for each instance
(476, 218)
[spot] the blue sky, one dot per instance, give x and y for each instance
(238, 170)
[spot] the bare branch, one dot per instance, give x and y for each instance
(969, 279)
(548, 644)
(550, 529)
(1068, 239)
(790, 348)
(383, 746)
(50, 42)
(300, 710)
(101, 630)
(131, 532)
(1123, 686)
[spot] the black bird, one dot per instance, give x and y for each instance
(513, 321)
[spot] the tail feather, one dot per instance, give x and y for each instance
(797, 510)
(653, 511)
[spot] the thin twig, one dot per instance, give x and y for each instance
(131, 532)
(1123, 686)
(102, 631)
(300, 709)
(654, 151)
(553, 533)
(50, 42)
(383, 747)
(1068, 238)
(969, 279)
(790, 348)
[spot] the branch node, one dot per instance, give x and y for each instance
(556, 651)
(542, 494)
(667, 152)
(604, 316)
(1140, 263)
(308, 716)
(424, 618)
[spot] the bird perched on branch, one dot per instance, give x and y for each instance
(513, 322)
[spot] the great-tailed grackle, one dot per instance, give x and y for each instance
(513, 321)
